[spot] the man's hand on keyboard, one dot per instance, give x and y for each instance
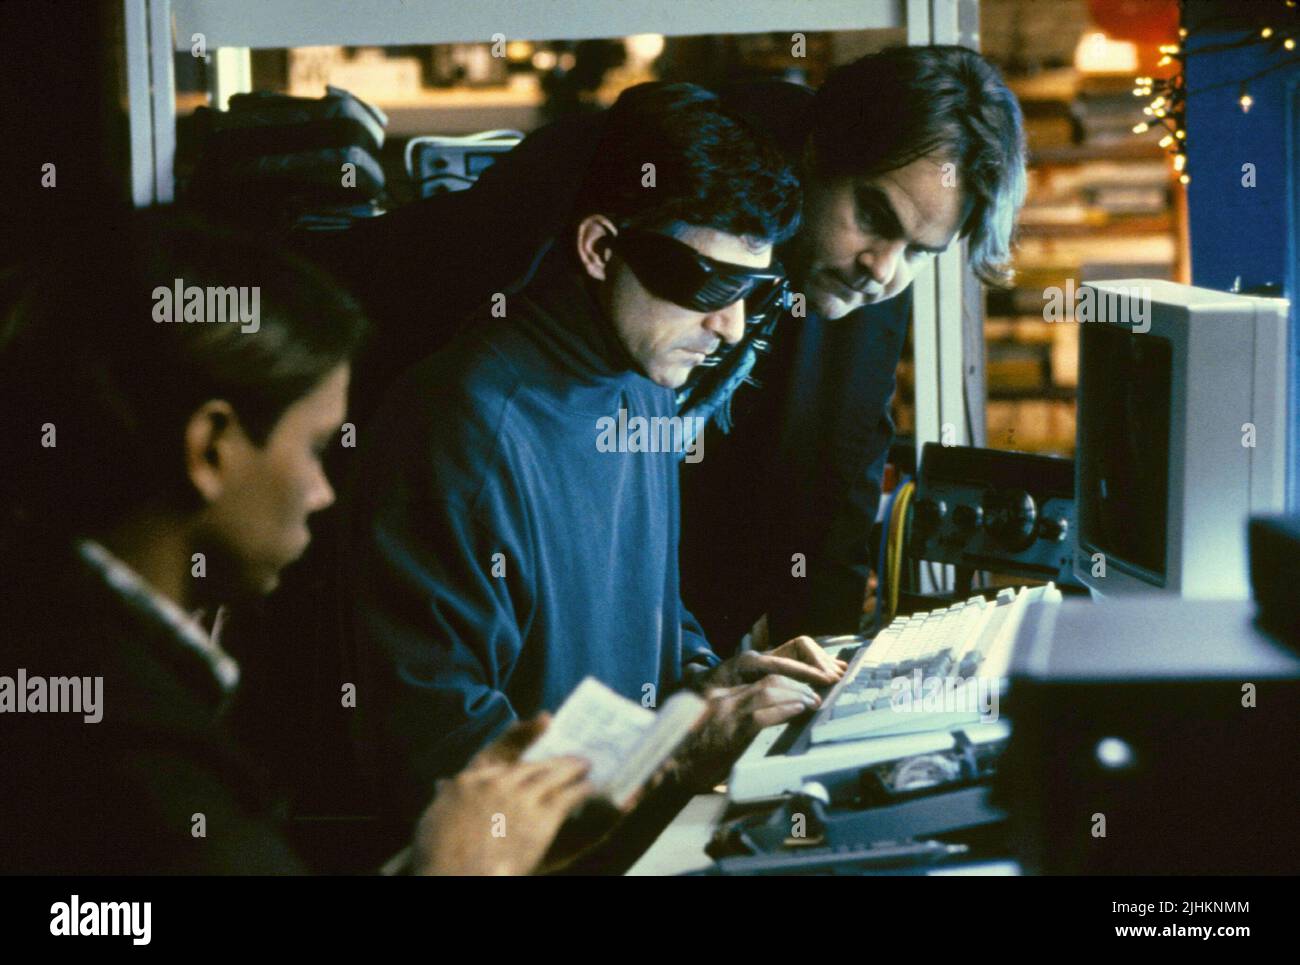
(799, 659)
(736, 714)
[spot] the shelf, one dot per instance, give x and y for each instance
(1051, 393)
(1131, 150)
(1162, 224)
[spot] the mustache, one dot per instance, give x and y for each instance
(863, 285)
(703, 349)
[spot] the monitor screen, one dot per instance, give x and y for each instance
(1124, 446)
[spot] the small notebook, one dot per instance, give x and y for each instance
(625, 742)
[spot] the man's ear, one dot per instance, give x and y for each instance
(214, 445)
(594, 236)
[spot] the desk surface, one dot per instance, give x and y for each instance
(681, 846)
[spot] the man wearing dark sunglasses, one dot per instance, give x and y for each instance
(496, 553)
(676, 272)
(900, 154)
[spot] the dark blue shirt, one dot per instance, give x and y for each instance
(801, 471)
(498, 555)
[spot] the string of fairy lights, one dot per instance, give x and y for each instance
(1167, 107)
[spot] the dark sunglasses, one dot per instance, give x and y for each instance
(674, 271)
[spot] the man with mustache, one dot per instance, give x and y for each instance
(903, 154)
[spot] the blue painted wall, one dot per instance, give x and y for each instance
(1235, 230)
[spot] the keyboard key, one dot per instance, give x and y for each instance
(959, 640)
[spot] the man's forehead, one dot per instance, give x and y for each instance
(721, 246)
(925, 198)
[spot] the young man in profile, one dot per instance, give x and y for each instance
(155, 468)
(498, 553)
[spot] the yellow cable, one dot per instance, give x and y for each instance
(900, 547)
(891, 556)
(894, 549)
(890, 537)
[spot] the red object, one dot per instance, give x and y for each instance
(889, 478)
(1141, 21)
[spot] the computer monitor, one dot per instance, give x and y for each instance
(1182, 435)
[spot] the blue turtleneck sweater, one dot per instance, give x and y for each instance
(498, 556)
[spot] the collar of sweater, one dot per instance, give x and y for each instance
(587, 368)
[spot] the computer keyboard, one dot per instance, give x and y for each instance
(929, 671)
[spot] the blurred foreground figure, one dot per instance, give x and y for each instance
(166, 398)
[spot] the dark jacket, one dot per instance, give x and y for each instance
(801, 472)
(121, 796)
(777, 517)
(496, 555)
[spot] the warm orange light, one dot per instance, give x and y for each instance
(1097, 53)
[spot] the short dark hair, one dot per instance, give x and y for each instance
(888, 109)
(80, 349)
(711, 168)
